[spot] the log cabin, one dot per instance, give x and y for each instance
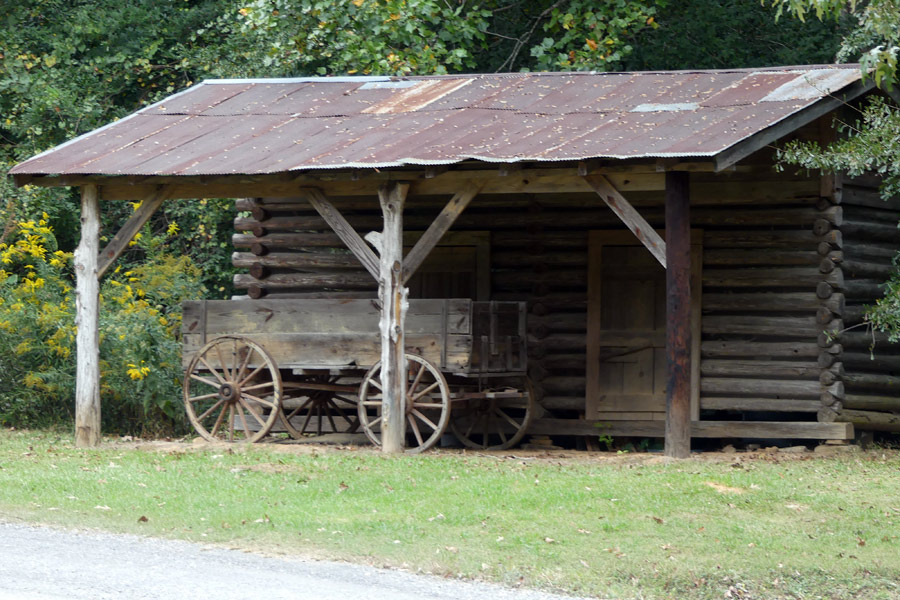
(679, 282)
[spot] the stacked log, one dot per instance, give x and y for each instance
(861, 383)
(759, 351)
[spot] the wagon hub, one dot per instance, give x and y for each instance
(229, 391)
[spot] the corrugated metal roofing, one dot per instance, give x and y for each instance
(252, 127)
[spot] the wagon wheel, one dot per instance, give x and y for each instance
(496, 419)
(232, 390)
(317, 400)
(427, 403)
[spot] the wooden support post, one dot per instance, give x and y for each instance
(87, 322)
(394, 302)
(631, 217)
(437, 229)
(120, 241)
(678, 316)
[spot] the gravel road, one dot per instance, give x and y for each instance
(42, 563)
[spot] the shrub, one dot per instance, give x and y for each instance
(140, 317)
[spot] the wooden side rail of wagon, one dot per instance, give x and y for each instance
(313, 366)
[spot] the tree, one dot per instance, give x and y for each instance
(872, 142)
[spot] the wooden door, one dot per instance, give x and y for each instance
(626, 348)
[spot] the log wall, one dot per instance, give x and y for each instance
(860, 375)
(766, 237)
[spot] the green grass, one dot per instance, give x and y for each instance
(623, 527)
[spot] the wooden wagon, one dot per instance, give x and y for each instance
(313, 366)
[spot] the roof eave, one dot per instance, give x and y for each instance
(739, 151)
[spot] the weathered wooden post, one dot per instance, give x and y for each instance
(87, 318)
(678, 315)
(394, 302)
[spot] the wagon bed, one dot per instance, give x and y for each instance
(318, 360)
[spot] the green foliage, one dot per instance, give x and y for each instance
(717, 34)
(365, 36)
(874, 39)
(140, 316)
(872, 142)
(586, 35)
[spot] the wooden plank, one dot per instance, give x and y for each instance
(678, 315)
(525, 181)
(317, 350)
(437, 229)
(337, 316)
(87, 323)
(699, 429)
(393, 295)
(120, 241)
(343, 229)
(631, 217)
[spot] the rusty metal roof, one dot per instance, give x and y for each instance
(252, 127)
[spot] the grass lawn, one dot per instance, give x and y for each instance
(613, 526)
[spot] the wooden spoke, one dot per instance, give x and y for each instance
(252, 411)
(211, 409)
(208, 382)
(255, 372)
(219, 419)
(492, 423)
(228, 374)
(207, 410)
(425, 419)
(238, 407)
(258, 386)
(262, 401)
(415, 383)
(415, 428)
(424, 381)
(211, 369)
(320, 412)
(427, 390)
(243, 367)
(203, 397)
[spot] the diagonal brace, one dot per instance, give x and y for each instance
(630, 216)
(344, 230)
(438, 228)
(120, 241)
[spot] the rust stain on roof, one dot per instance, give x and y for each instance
(416, 96)
(267, 126)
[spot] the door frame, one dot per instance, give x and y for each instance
(597, 239)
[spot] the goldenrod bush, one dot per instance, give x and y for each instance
(140, 318)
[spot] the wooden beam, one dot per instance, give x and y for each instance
(120, 241)
(552, 180)
(678, 315)
(394, 303)
(631, 217)
(437, 229)
(87, 323)
(797, 430)
(344, 231)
